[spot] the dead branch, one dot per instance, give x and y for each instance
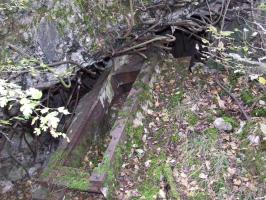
(233, 97)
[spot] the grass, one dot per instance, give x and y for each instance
(176, 99)
(231, 121)
(259, 112)
(151, 185)
(191, 118)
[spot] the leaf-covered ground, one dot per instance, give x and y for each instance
(176, 152)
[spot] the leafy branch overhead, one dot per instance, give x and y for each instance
(44, 119)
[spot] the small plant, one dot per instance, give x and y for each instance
(13, 5)
(31, 109)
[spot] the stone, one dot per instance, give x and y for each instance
(222, 125)
(48, 39)
(33, 170)
(40, 193)
(6, 186)
(16, 173)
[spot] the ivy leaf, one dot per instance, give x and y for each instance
(63, 110)
(26, 110)
(226, 33)
(51, 119)
(4, 122)
(3, 102)
(45, 110)
(205, 41)
(34, 120)
(37, 131)
(34, 93)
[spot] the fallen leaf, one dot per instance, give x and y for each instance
(203, 176)
(208, 164)
(263, 128)
(221, 103)
(254, 139)
(262, 80)
(162, 194)
(147, 163)
(231, 171)
(237, 182)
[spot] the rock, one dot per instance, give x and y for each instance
(40, 193)
(48, 39)
(16, 173)
(6, 186)
(254, 139)
(33, 170)
(222, 125)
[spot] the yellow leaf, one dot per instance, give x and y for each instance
(262, 80)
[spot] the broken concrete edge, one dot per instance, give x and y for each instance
(104, 176)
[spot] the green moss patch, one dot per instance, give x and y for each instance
(135, 135)
(247, 97)
(231, 121)
(191, 118)
(176, 99)
(168, 174)
(211, 133)
(150, 187)
(259, 112)
(71, 178)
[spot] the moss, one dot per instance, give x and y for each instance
(176, 99)
(233, 79)
(191, 118)
(135, 134)
(150, 187)
(77, 154)
(73, 178)
(219, 186)
(144, 96)
(149, 191)
(253, 158)
(212, 133)
(231, 121)
(168, 174)
(122, 114)
(247, 97)
(175, 138)
(111, 170)
(247, 129)
(53, 163)
(254, 161)
(259, 112)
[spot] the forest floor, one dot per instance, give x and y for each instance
(193, 141)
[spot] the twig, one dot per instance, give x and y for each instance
(6, 137)
(132, 12)
(168, 38)
(73, 63)
(233, 97)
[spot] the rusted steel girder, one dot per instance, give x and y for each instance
(89, 116)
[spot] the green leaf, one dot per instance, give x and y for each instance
(226, 33)
(34, 93)
(4, 122)
(37, 131)
(63, 110)
(3, 102)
